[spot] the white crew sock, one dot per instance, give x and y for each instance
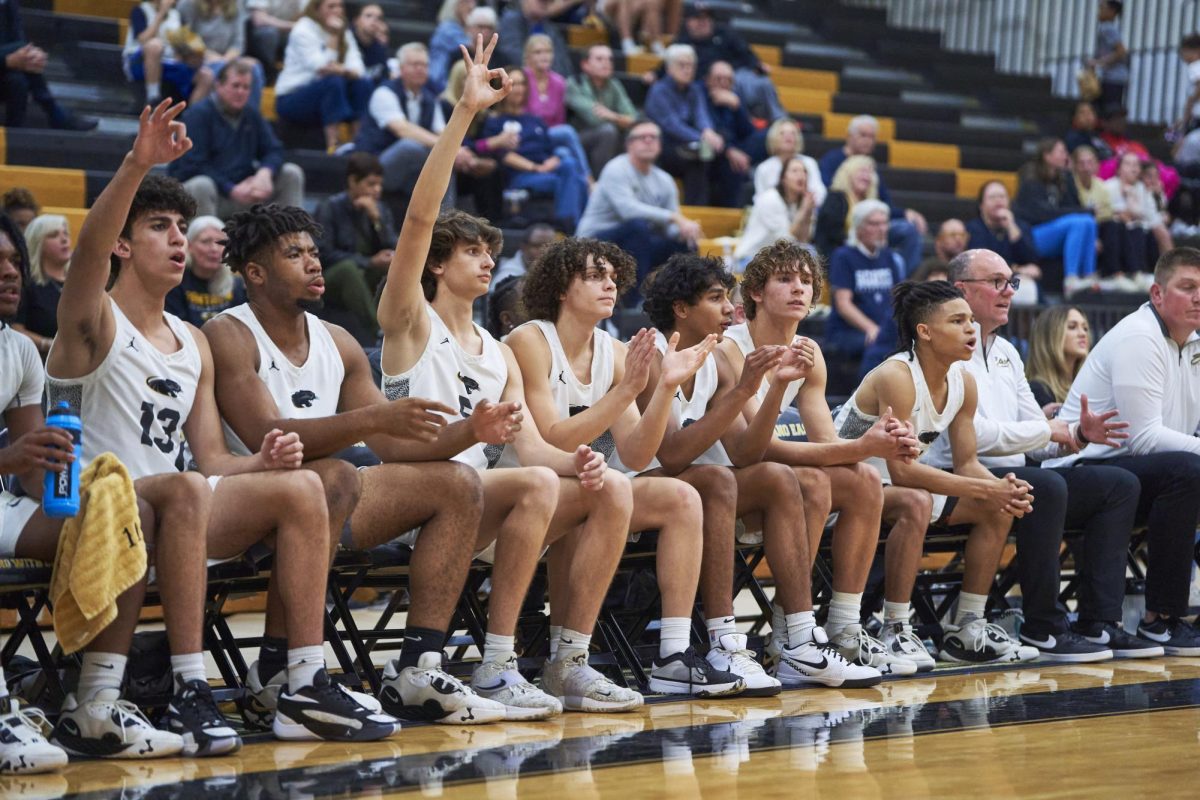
(188, 667)
(970, 604)
(555, 633)
(800, 627)
(303, 665)
(718, 627)
(844, 609)
(101, 671)
(897, 612)
(497, 647)
(673, 635)
(153, 92)
(572, 643)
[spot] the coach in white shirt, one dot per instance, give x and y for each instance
(1099, 500)
(1148, 367)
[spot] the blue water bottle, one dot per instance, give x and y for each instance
(60, 496)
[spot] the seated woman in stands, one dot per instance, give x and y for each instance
(221, 24)
(1060, 226)
(208, 286)
(785, 141)
(157, 49)
(49, 243)
(547, 96)
(450, 32)
(322, 82)
(855, 181)
(785, 211)
(1134, 205)
(535, 164)
(1058, 346)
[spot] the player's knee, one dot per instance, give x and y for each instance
(685, 503)
(617, 492)
(715, 485)
(464, 488)
(187, 491)
(341, 484)
(914, 506)
(777, 479)
(539, 486)
(814, 484)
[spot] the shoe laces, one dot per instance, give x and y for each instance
(445, 682)
(195, 704)
(909, 642)
(127, 715)
(988, 631)
(29, 716)
(871, 647)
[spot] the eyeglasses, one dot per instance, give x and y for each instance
(644, 137)
(997, 283)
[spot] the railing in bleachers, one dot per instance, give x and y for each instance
(1054, 37)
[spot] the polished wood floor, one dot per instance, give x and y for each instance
(1119, 729)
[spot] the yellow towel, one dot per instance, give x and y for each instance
(101, 553)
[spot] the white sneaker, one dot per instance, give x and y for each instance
(23, 745)
(261, 699)
(427, 693)
(898, 637)
(1073, 284)
(731, 655)
(502, 682)
(859, 647)
(108, 727)
(820, 662)
(977, 641)
(580, 688)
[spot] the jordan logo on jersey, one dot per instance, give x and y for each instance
(303, 398)
(560, 378)
(132, 345)
(272, 367)
(164, 386)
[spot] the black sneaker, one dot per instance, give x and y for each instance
(1176, 636)
(323, 712)
(193, 714)
(1123, 644)
(690, 673)
(1068, 647)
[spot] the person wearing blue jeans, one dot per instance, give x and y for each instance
(1073, 239)
(325, 101)
(1048, 202)
(535, 163)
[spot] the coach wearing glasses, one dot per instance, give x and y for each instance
(1100, 501)
(636, 205)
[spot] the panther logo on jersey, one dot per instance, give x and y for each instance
(303, 398)
(928, 437)
(687, 422)
(164, 386)
(469, 383)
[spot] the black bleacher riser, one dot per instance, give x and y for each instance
(936, 206)
(994, 158)
(845, 103)
(917, 180)
(46, 28)
(323, 174)
(917, 131)
(66, 149)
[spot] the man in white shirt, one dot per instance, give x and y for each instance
(1148, 367)
(404, 119)
(1099, 500)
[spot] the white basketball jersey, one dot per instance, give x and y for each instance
(571, 396)
(137, 401)
(852, 423)
(450, 375)
(740, 334)
(687, 410)
(308, 391)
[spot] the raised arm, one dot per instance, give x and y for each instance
(85, 322)
(401, 305)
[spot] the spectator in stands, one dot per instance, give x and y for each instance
(235, 160)
(1083, 132)
(782, 212)
(21, 66)
(1122, 248)
(537, 239)
(535, 164)
(677, 104)
(1143, 367)
(855, 181)
(1010, 427)
(713, 42)
(208, 286)
(403, 122)
(221, 24)
(484, 180)
(1060, 226)
(785, 140)
(1111, 59)
(998, 230)
(653, 17)
(600, 108)
(635, 205)
(371, 34)
(20, 206)
(547, 97)
(1058, 345)
(729, 173)
(950, 241)
(448, 36)
(480, 22)
(358, 234)
(158, 48)
(1134, 206)
(48, 240)
(1189, 53)
(518, 22)
(505, 309)
(931, 270)
(270, 23)
(322, 80)
(1116, 136)
(861, 276)
(907, 226)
